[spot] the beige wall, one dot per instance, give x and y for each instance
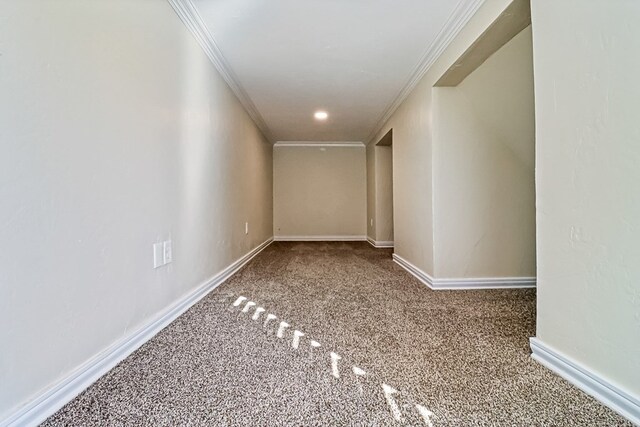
(384, 194)
(380, 193)
(319, 191)
(116, 132)
(586, 167)
(412, 148)
(587, 174)
(371, 191)
(483, 167)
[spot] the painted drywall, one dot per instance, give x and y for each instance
(371, 191)
(116, 132)
(412, 148)
(515, 18)
(483, 168)
(319, 191)
(384, 193)
(380, 193)
(587, 171)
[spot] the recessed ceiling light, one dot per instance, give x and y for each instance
(321, 115)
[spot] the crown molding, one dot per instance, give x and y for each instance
(457, 20)
(187, 12)
(319, 144)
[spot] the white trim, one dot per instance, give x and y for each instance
(319, 238)
(588, 381)
(55, 397)
(467, 283)
(457, 20)
(380, 243)
(188, 13)
(413, 270)
(319, 144)
(485, 283)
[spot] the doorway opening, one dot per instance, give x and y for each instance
(384, 190)
(484, 160)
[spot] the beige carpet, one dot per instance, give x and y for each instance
(391, 352)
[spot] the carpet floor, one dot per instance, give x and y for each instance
(317, 334)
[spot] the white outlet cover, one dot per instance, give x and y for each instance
(246, 228)
(158, 255)
(167, 252)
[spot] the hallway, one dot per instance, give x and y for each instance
(448, 358)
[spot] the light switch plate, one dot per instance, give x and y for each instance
(168, 252)
(158, 255)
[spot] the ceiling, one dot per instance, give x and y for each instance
(355, 59)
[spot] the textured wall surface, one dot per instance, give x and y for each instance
(483, 164)
(319, 191)
(371, 191)
(116, 132)
(384, 194)
(587, 172)
(412, 148)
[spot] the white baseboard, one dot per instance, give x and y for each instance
(55, 397)
(380, 243)
(594, 385)
(485, 283)
(465, 283)
(319, 238)
(414, 271)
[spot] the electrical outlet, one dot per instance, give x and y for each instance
(167, 252)
(246, 228)
(158, 255)
(371, 222)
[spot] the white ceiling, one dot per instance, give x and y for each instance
(355, 59)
